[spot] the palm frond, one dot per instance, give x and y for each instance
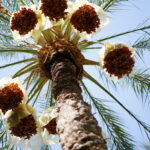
(140, 82)
(142, 44)
(6, 39)
(22, 2)
(124, 33)
(147, 147)
(28, 68)
(31, 78)
(11, 5)
(4, 18)
(49, 96)
(120, 138)
(144, 125)
(4, 27)
(37, 88)
(46, 147)
(106, 80)
(10, 50)
(26, 2)
(5, 34)
(46, 100)
(3, 136)
(18, 62)
(108, 4)
(32, 81)
(15, 4)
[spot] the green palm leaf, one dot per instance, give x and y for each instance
(108, 4)
(18, 62)
(10, 50)
(145, 126)
(140, 82)
(142, 44)
(124, 33)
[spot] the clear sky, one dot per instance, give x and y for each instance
(131, 15)
(128, 17)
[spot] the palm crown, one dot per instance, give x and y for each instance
(64, 26)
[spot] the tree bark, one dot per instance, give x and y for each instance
(76, 126)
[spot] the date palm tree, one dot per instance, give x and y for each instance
(51, 40)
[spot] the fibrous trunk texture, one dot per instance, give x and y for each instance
(76, 126)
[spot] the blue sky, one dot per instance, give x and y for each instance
(131, 15)
(128, 17)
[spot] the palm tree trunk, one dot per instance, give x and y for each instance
(76, 126)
